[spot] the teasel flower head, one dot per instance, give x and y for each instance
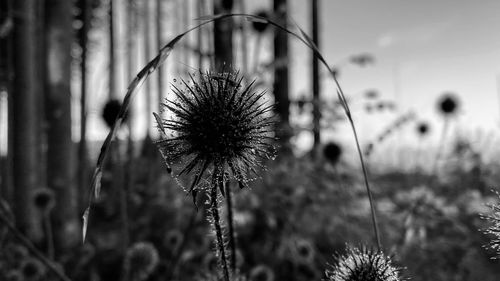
(332, 152)
(448, 104)
(261, 272)
(363, 265)
(217, 124)
(110, 112)
(44, 199)
(141, 260)
(261, 26)
(32, 269)
(494, 229)
(423, 128)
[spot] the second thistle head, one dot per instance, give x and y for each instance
(363, 265)
(217, 123)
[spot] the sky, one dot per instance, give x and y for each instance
(421, 49)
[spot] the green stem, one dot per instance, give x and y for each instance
(217, 180)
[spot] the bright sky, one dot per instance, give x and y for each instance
(421, 48)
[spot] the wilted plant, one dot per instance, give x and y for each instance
(363, 265)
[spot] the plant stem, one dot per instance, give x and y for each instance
(217, 180)
(230, 220)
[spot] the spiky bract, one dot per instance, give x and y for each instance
(217, 123)
(363, 265)
(494, 228)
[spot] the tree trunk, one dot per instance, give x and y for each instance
(24, 118)
(223, 35)
(60, 154)
(5, 87)
(147, 57)
(315, 79)
(159, 44)
(82, 146)
(280, 86)
(112, 81)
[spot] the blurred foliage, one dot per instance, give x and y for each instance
(289, 224)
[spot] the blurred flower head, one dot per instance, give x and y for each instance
(217, 122)
(332, 152)
(363, 265)
(44, 199)
(423, 128)
(261, 273)
(110, 112)
(259, 25)
(173, 239)
(448, 104)
(141, 260)
(32, 269)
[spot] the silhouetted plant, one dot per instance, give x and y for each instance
(219, 125)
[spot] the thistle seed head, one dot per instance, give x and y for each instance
(217, 122)
(448, 104)
(44, 199)
(141, 260)
(363, 265)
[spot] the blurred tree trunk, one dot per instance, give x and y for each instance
(315, 79)
(147, 57)
(5, 87)
(60, 154)
(25, 141)
(280, 86)
(223, 35)
(159, 44)
(112, 73)
(84, 6)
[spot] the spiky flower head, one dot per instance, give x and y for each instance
(494, 230)
(363, 265)
(141, 260)
(217, 123)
